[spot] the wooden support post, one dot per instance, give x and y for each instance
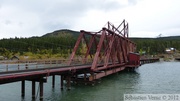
(41, 89)
(75, 79)
(68, 82)
(91, 78)
(62, 78)
(85, 78)
(85, 75)
(53, 81)
(33, 89)
(23, 88)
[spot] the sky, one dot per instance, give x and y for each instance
(146, 18)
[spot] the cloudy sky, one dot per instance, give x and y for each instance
(146, 18)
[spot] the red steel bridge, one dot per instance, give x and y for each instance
(103, 53)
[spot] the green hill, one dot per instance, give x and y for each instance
(68, 32)
(61, 33)
(157, 45)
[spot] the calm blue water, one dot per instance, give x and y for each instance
(154, 78)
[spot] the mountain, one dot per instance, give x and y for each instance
(170, 38)
(62, 32)
(68, 32)
(177, 38)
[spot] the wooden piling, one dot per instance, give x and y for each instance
(41, 89)
(53, 81)
(23, 88)
(33, 89)
(62, 78)
(68, 82)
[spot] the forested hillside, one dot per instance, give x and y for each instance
(63, 32)
(60, 44)
(157, 45)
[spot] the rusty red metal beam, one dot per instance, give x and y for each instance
(94, 64)
(105, 73)
(76, 47)
(111, 45)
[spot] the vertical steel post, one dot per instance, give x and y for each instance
(127, 30)
(124, 25)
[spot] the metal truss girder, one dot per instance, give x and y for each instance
(108, 46)
(94, 64)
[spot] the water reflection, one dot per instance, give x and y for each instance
(111, 88)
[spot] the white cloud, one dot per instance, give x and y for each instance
(153, 16)
(147, 18)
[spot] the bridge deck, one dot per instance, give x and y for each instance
(18, 75)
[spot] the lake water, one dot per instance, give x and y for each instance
(154, 78)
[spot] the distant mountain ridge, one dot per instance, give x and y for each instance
(158, 38)
(62, 32)
(68, 32)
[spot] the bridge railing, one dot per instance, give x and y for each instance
(30, 64)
